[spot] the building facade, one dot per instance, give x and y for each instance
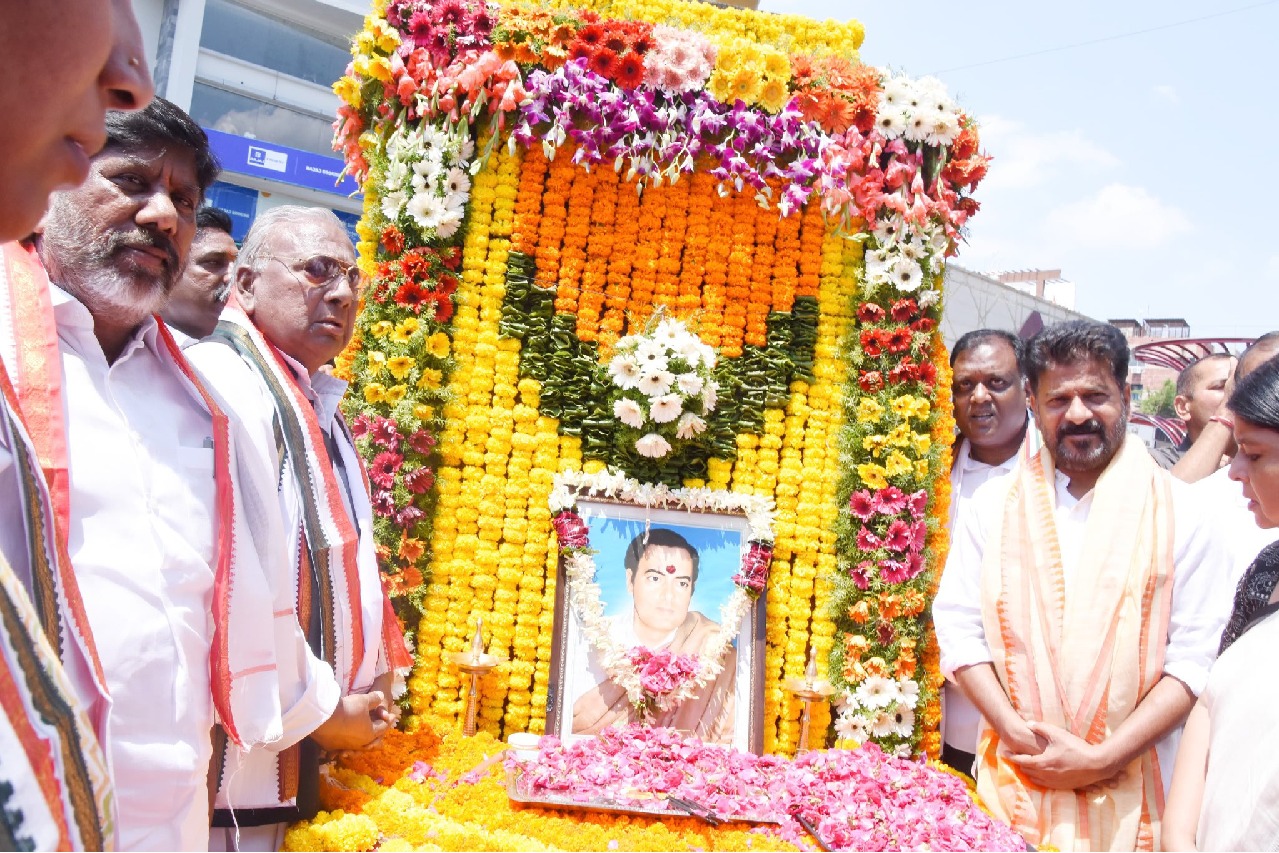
(256, 75)
(973, 300)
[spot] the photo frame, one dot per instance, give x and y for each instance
(659, 609)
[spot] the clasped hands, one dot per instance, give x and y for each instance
(1052, 757)
(360, 720)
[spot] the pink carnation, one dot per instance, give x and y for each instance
(918, 504)
(897, 537)
(867, 540)
(890, 501)
(385, 433)
(861, 574)
(385, 465)
(861, 504)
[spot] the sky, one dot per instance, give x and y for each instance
(1144, 166)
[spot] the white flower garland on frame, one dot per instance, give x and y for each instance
(584, 593)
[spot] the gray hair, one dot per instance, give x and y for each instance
(264, 226)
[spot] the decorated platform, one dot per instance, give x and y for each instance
(649, 379)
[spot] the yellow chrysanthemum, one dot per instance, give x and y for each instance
(438, 345)
(430, 378)
(745, 86)
(903, 406)
(377, 362)
(922, 442)
(400, 366)
(423, 412)
(348, 89)
(396, 393)
(773, 95)
(375, 392)
(405, 330)
(899, 436)
(869, 410)
(381, 328)
(874, 444)
(777, 65)
(897, 465)
(873, 475)
(721, 87)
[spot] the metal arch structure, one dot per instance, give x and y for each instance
(1179, 353)
(1173, 428)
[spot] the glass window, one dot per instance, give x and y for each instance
(244, 34)
(244, 116)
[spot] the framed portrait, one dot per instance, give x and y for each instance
(659, 611)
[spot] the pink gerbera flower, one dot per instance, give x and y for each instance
(861, 505)
(897, 537)
(422, 441)
(385, 433)
(867, 540)
(384, 467)
(890, 501)
(894, 571)
(419, 481)
(861, 574)
(918, 502)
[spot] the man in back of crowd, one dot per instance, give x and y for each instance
(1201, 391)
(293, 309)
(59, 80)
(198, 297)
(141, 465)
(990, 410)
(1216, 438)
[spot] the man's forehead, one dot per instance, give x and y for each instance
(153, 158)
(305, 236)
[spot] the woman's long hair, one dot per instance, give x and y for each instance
(1256, 397)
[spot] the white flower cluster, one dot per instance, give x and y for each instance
(880, 708)
(664, 384)
(428, 177)
(612, 484)
(902, 254)
(917, 110)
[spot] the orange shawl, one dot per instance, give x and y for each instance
(1080, 653)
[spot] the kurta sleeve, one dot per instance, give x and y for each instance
(957, 608)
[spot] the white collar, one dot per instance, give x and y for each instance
(70, 313)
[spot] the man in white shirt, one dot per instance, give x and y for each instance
(1080, 609)
(990, 411)
(292, 310)
(59, 81)
(144, 463)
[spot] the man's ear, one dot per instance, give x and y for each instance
(245, 286)
(1181, 405)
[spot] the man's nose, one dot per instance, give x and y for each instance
(1078, 412)
(981, 394)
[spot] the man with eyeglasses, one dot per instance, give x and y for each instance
(292, 310)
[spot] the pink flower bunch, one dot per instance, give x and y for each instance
(754, 572)
(662, 672)
(571, 530)
(857, 799)
(384, 468)
(443, 27)
(885, 529)
(679, 61)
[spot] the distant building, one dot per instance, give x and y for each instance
(1044, 284)
(973, 300)
(1143, 376)
(256, 74)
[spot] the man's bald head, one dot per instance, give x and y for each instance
(1258, 353)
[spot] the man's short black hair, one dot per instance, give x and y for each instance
(977, 337)
(1186, 378)
(661, 537)
(162, 124)
(1256, 397)
(1075, 341)
(1266, 341)
(214, 218)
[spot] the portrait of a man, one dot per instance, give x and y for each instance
(661, 573)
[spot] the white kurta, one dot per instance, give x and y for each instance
(1240, 532)
(1200, 597)
(252, 781)
(1240, 809)
(960, 719)
(141, 539)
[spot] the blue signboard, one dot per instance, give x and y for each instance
(280, 163)
(241, 203)
(349, 220)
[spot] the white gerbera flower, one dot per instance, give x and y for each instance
(932, 88)
(885, 725)
(668, 333)
(690, 383)
(648, 350)
(897, 92)
(927, 298)
(942, 130)
(629, 412)
(906, 275)
(710, 396)
(666, 408)
(655, 383)
(708, 355)
(918, 126)
(909, 692)
(904, 718)
(913, 248)
(448, 220)
(877, 692)
(653, 446)
(689, 426)
(624, 371)
(851, 726)
(393, 204)
(891, 121)
(457, 182)
(425, 208)
(887, 231)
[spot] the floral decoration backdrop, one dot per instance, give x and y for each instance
(542, 181)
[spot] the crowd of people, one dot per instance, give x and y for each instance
(190, 606)
(1094, 600)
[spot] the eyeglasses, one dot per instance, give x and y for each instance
(323, 271)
